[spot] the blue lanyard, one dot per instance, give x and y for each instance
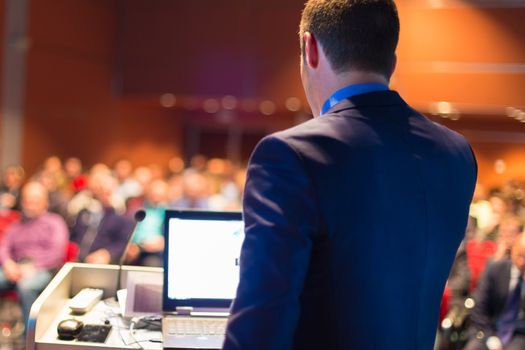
(350, 91)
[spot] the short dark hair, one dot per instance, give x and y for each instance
(354, 34)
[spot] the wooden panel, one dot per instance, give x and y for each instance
(97, 67)
(462, 54)
(210, 48)
(70, 108)
(2, 27)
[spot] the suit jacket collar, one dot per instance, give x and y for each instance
(370, 99)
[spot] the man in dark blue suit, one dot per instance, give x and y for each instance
(498, 320)
(354, 217)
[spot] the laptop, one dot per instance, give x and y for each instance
(201, 274)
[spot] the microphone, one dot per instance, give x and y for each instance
(139, 216)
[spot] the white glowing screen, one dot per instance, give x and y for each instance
(203, 258)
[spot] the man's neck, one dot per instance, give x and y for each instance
(342, 80)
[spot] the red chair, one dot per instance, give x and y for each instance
(445, 300)
(478, 253)
(72, 251)
(7, 217)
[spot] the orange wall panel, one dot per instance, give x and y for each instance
(2, 27)
(91, 62)
(70, 105)
(462, 54)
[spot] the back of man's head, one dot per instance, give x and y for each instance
(354, 34)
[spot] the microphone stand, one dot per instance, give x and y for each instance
(139, 216)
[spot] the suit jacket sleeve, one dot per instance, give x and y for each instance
(280, 218)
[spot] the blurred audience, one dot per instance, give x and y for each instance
(99, 230)
(491, 239)
(99, 204)
(148, 241)
(195, 191)
(198, 162)
(481, 209)
(90, 201)
(12, 180)
(499, 208)
(498, 320)
(75, 175)
(175, 166)
(127, 187)
(53, 166)
(84, 200)
(33, 248)
(458, 283)
(510, 226)
(58, 199)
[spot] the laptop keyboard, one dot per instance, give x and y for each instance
(195, 326)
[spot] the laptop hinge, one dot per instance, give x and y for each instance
(184, 310)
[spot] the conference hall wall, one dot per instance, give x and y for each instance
(148, 79)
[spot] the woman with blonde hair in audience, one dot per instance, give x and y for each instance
(509, 229)
(12, 181)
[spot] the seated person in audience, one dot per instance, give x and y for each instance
(58, 198)
(498, 319)
(100, 232)
(127, 187)
(33, 248)
(454, 296)
(175, 166)
(198, 163)
(148, 239)
(142, 177)
(12, 180)
(515, 200)
(224, 194)
(77, 180)
(174, 189)
(195, 191)
(458, 282)
(53, 166)
(480, 208)
(85, 199)
(457, 288)
(157, 172)
(509, 228)
(499, 208)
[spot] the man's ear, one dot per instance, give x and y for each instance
(311, 50)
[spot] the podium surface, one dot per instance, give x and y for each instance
(51, 307)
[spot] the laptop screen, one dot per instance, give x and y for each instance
(201, 260)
